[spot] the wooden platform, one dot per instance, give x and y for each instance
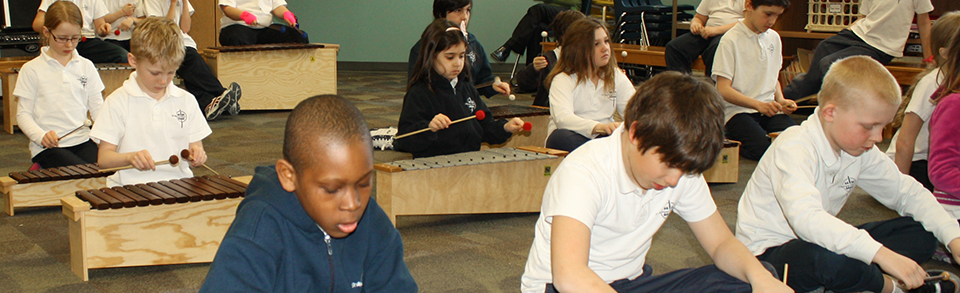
(112, 76)
(152, 235)
(276, 76)
(506, 187)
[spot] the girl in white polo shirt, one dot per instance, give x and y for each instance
(586, 88)
(52, 110)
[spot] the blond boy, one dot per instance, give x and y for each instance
(148, 118)
(787, 214)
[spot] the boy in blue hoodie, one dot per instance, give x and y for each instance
(308, 224)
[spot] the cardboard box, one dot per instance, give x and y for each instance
(727, 167)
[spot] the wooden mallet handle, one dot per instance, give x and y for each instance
(187, 154)
(943, 276)
(174, 160)
(480, 115)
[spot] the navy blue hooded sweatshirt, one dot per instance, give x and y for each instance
(274, 246)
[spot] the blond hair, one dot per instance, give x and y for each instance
(852, 79)
(158, 40)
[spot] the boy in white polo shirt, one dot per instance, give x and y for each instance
(746, 68)
(609, 197)
(787, 214)
(880, 34)
(713, 19)
(248, 22)
(149, 118)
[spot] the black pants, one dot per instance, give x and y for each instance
(918, 170)
(751, 130)
(843, 44)
(565, 140)
(241, 35)
(703, 279)
(198, 78)
(84, 153)
(99, 51)
(526, 36)
(682, 51)
(125, 44)
(812, 266)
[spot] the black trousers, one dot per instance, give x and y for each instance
(566, 140)
(241, 35)
(99, 51)
(703, 279)
(682, 51)
(918, 170)
(843, 44)
(812, 266)
(84, 153)
(198, 79)
(526, 36)
(751, 130)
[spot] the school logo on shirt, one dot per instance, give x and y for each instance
(667, 209)
(357, 284)
(848, 183)
(472, 56)
(471, 104)
(83, 81)
(181, 116)
(770, 48)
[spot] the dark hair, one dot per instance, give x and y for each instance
(441, 7)
(562, 21)
(577, 56)
(757, 3)
(681, 116)
(320, 121)
(435, 39)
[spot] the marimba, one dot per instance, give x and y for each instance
(168, 222)
(45, 187)
(538, 116)
(111, 74)
(499, 180)
(276, 76)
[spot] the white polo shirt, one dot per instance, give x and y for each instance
(116, 5)
(591, 185)
(752, 61)
(134, 121)
(89, 10)
(581, 106)
(262, 9)
(801, 184)
(721, 12)
(887, 23)
(56, 97)
(921, 105)
(160, 8)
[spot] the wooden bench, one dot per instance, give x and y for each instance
(276, 76)
(112, 75)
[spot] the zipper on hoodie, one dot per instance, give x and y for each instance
(327, 239)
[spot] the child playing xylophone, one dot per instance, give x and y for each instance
(149, 116)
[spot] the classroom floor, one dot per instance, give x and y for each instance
(464, 253)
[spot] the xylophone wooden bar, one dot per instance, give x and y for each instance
(45, 187)
(105, 234)
(503, 180)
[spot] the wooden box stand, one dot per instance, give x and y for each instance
(41, 194)
(276, 76)
(727, 167)
(141, 236)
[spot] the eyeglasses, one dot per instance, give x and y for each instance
(63, 40)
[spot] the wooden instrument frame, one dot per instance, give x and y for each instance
(510, 187)
(536, 136)
(45, 193)
(152, 235)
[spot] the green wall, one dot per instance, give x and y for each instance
(384, 30)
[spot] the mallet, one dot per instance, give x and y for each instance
(527, 126)
(496, 83)
(480, 115)
(187, 154)
(174, 160)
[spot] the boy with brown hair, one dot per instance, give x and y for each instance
(308, 224)
(609, 197)
(148, 117)
(787, 214)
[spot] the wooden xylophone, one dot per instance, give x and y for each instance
(45, 187)
(168, 222)
(268, 47)
(501, 180)
(538, 116)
